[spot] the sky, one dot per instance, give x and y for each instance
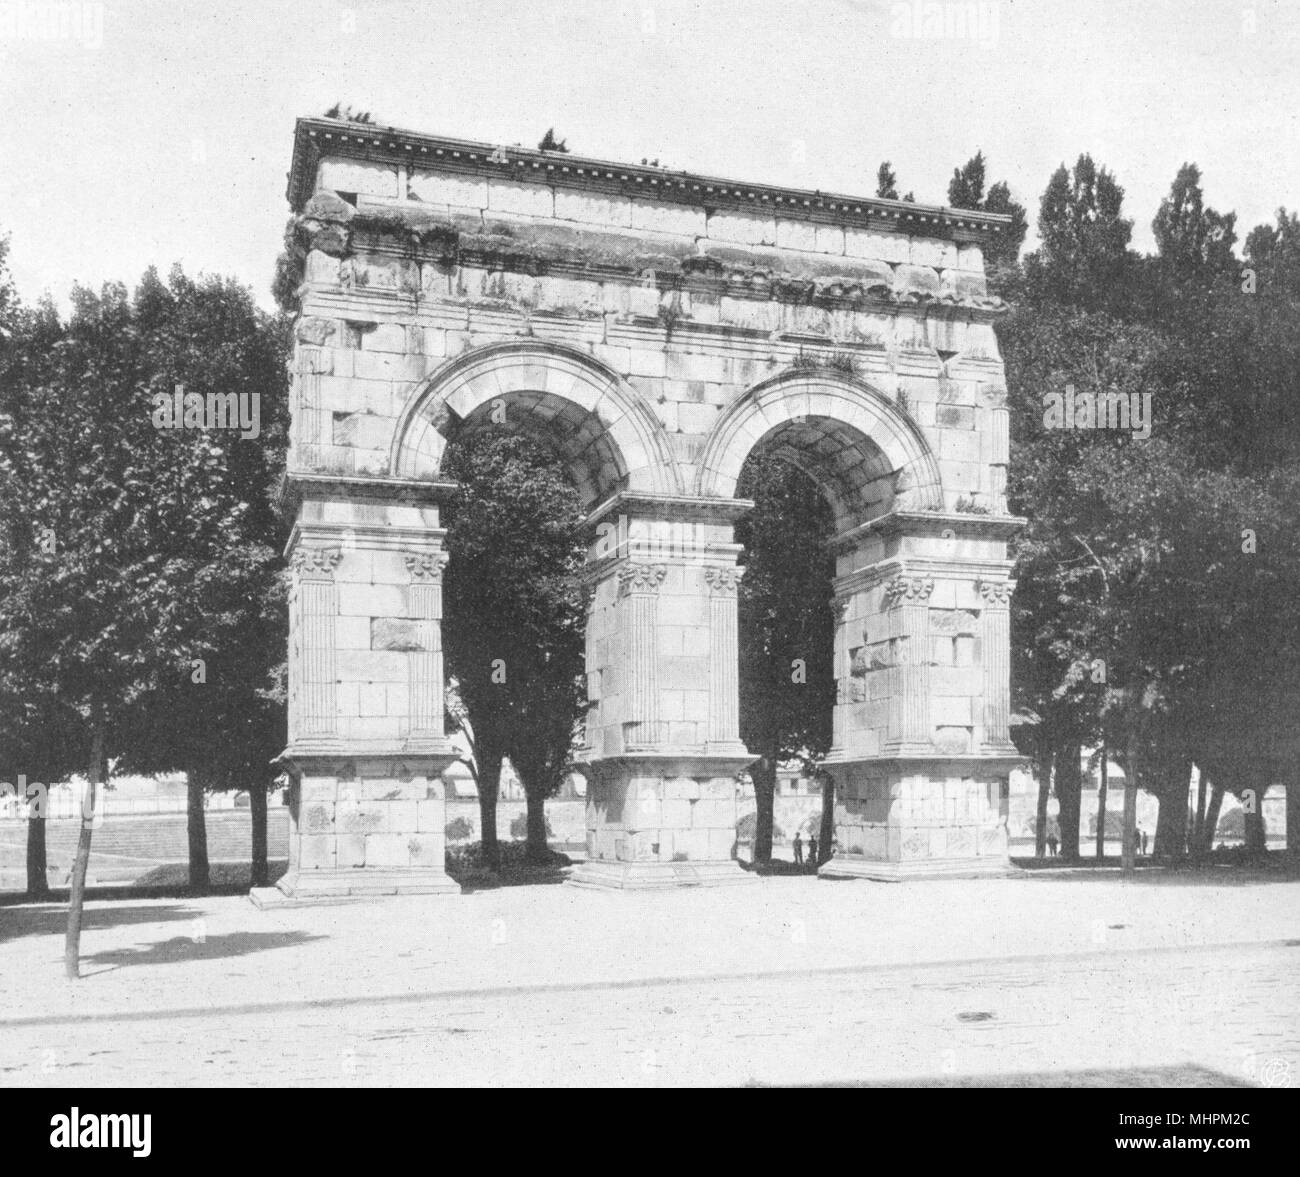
(146, 132)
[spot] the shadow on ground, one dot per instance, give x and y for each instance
(777, 868)
(1188, 1075)
(49, 918)
(169, 881)
(1278, 867)
(187, 949)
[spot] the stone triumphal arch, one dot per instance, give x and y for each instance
(653, 328)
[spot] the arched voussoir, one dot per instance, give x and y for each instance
(610, 439)
(866, 453)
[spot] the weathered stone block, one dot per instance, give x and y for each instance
(533, 200)
(316, 852)
(397, 633)
(351, 850)
(388, 850)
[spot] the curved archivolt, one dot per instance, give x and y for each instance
(868, 458)
(608, 439)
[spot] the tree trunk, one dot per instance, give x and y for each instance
(1128, 844)
(198, 832)
(1198, 822)
(76, 901)
(1101, 803)
(826, 840)
(489, 788)
(1256, 835)
(1044, 794)
(535, 848)
(38, 881)
(1069, 792)
(257, 817)
(1171, 818)
(763, 773)
(1293, 814)
(1212, 815)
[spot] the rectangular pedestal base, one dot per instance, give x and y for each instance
(656, 876)
(848, 867)
(342, 886)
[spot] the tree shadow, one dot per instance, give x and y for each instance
(778, 868)
(1277, 868)
(47, 919)
(187, 950)
(1187, 1075)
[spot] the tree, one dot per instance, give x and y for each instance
(221, 718)
(1194, 242)
(886, 182)
(787, 628)
(966, 188)
(95, 616)
(1001, 252)
(1083, 258)
(551, 143)
(514, 626)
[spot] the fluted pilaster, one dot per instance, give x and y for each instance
(724, 655)
(638, 585)
(425, 664)
(995, 632)
(315, 611)
(908, 601)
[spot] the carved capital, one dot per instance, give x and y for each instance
(724, 581)
(425, 567)
(641, 578)
(994, 395)
(996, 593)
(315, 563)
(914, 590)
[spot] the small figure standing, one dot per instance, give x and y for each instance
(798, 848)
(812, 851)
(1052, 843)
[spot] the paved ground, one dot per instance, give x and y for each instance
(789, 980)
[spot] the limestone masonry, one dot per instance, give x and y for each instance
(655, 328)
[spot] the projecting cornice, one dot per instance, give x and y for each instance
(317, 137)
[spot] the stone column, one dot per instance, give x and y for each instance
(426, 677)
(908, 601)
(639, 585)
(314, 610)
(998, 443)
(995, 635)
(724, 655)
(843, 671)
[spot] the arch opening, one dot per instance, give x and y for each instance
(606, 437)
(865, 453)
